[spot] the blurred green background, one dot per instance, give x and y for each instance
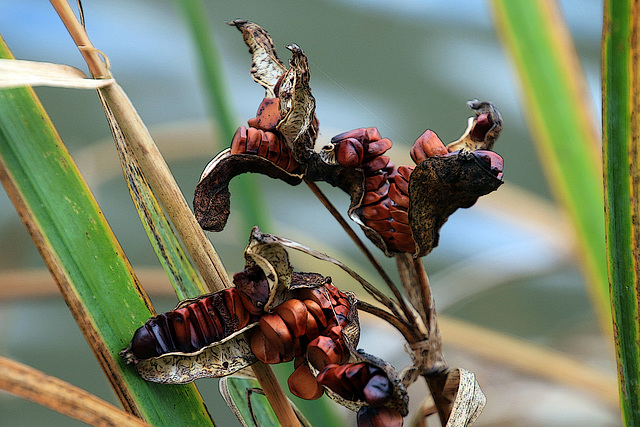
(506, 264)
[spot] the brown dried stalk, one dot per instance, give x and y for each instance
(60, 396)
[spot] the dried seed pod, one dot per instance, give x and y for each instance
(193, 325)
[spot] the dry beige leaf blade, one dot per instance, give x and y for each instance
(16, 72)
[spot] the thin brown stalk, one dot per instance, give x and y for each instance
(360, 244)
(406, 330)
(275, 395)
(60, 396)
(433, 367)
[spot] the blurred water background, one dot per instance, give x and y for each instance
(405, 66)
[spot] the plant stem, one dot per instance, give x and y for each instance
(360, 244)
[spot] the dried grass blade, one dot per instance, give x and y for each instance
(60, 396)
(166, 244)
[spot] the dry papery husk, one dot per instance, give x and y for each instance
(438, 187)
(233, 352)
(461, 388)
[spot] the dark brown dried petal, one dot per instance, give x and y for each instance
(438, 187)
(211, 202)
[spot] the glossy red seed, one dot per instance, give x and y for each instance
(379, 417)
(376, 212)
(262, 348)
(349, 152)
(303, 384)
(233, 302)
(239, 141)
(377, 148)
(316, 311)
(268, 116)
(316, 295)
(254, 138)
(399, 214)
(294, 314)
(323, 351)
(427, 145)
(276, 332)
(374, 181)
(397, 196)
(374, 196)
(376, 164)
(377, 391)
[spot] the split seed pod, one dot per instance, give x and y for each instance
(206, 336)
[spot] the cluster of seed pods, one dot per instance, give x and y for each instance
(202, 321)
(308, 329)
(261, 137)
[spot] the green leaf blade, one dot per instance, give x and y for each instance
(620, 104)
(79, 248)
(562, 123)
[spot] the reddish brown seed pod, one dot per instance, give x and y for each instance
(193, 325)
(427, 145)
(303, 384)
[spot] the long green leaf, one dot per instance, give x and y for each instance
(561, 119)
(621, 130)
(79, 248)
